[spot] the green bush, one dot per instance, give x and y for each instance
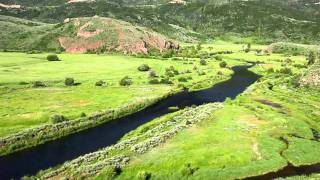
(53, 57)
(223, 64)
(57, 118)
(188, 170)
(83, 115)
(203, 62)
(182, 79)
(285, 70)
(69, 81)
(126, 81)
(100, 83)
(144, 67)
(152, 74)
(312, 57)
(143, 175)
(154, 81)
(218, 57)
(166, 81)
(37, 84)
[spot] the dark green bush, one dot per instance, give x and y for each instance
(152, 74)
(154, 81)
(203, 62)
(83, 115)
(37, 84)
(143, 175)
(182, 79)
(188, 170)
(57, 118)
(53, 57)
(126, 81)
(144, 67)
(69, 81)
(312, 56)
(201, 73)
(218, 57)
(223, 64)
(100, 83)
(166, 81)
(285, 70)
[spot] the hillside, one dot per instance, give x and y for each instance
(81, 35)
(260, 21)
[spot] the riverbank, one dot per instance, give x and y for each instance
(107, 134)
(26, 119)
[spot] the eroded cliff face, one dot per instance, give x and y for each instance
(105, 34)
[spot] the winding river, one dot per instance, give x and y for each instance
(30, 161)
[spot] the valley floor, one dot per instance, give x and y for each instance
(272, 124)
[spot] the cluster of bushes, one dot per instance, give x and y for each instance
(292, 48)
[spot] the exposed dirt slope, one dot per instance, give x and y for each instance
(81, 35)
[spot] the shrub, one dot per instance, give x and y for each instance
(166, 81)
(169, 74)
(201, 73)
(218, 58)
(57, 118)
(223, 64)
(126, 81)
(143, 175)
(220, 73)
(144, 67)
(248, 48)
(37, 84)
(53, 57)
(288, 60)
(182, 79)
(154, 81)
(286, 70)
(152, 74)
(83, 115)
(188, 170)
(311, 58)
(203, 62)
(270, 70)
(69, 81)
(100, 83)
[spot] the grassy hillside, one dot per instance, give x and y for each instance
(263, 21)
(81, 35)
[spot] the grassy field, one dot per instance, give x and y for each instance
(243, 139)
(261, 131)
(26, 107)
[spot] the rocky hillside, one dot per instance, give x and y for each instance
(82, 35)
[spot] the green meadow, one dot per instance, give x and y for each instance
(261, 131)
(25, 106)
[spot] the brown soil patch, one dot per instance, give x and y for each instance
(30, 115)
(252, 120)
(256, 151)
(7, 6)
(114, 35)
(77, 1)
(269, 103)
